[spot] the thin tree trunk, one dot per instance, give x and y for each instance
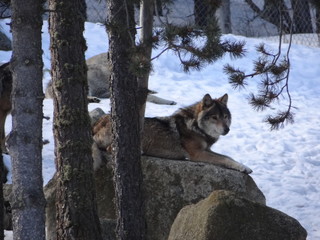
(318, 25)
(76, 208)
(125, 122)
(200, 13)
(274, 13)
(146, 23)
(301, 16)
(225, 17)
(25, 141)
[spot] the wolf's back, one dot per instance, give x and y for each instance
(161, 138)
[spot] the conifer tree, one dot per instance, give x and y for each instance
(76, 210)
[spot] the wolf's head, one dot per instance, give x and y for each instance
(214, 117)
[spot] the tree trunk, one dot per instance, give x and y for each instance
(125, 122)
(301, 16)
(25, 141)
(316, 5)
(225, 17)
(273, 12)
(204, 12)
(200, 13)
(146, 23)
(75, 197)
(318, 25)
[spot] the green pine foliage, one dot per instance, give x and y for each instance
(184, 41)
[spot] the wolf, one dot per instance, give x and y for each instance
(98, 75)
(188, 134)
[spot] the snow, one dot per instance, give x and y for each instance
(285, 163)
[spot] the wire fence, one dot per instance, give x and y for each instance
(250, 18)
(267, 18)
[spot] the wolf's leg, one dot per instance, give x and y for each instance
(219, 159)
(158, 100)
(92, 99)
(97, 157)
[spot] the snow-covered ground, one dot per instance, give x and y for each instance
(285, 163)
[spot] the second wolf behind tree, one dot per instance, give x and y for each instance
(188, 134)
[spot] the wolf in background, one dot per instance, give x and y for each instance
(187, 134)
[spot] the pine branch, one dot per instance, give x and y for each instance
(278, 121)
(274, 82)
(236, 77)
(236, 49)
(196, 47)
(259, 103)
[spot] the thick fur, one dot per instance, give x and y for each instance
(187, 134)
(98, 81)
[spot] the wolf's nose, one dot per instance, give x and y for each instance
(226, 130)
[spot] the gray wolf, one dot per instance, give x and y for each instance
(98, 75)
(188, 134)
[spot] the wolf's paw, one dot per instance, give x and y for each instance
(93, 99)
(245, 170)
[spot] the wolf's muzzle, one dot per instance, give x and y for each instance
(226, 130)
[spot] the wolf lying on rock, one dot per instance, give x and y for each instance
(187, 134)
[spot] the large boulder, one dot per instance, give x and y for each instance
(95, 115)
(225, 215)
(169, 185)
(98, 75)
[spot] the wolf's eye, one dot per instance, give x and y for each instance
(226, 117)
(214, 117)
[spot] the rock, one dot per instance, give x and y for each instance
(225, 215)
(98, 75)
(95, 114)
(104, 198)
(169, 185)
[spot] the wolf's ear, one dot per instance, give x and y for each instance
(224, 99)
(207, 101)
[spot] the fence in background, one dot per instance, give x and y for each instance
(250, 18)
